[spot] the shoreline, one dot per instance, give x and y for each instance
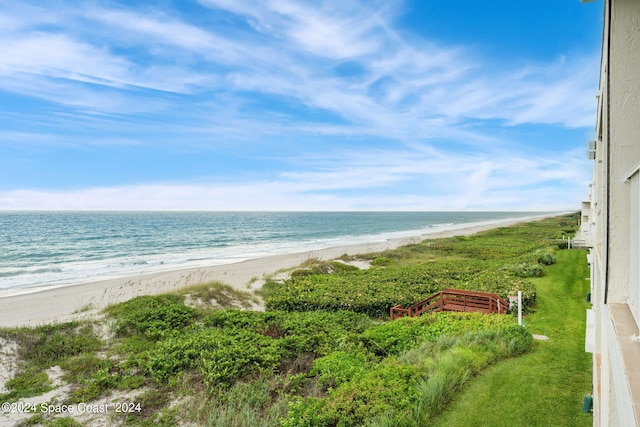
(70, 302)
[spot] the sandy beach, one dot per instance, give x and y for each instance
(68, 302)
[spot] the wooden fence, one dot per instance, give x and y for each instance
(454, 300)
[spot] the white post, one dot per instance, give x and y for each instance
(520, 308)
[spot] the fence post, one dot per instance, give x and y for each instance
(520, 308)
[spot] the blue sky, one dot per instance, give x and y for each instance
(297, 105)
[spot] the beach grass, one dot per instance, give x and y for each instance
(546, 386)
(218, 295)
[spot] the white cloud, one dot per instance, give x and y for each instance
(56, 56)
(332, 30)
(378, 179)
(329, 69)
(401, 84)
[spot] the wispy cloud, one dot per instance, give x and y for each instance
(285, 71)
(331, 30)
(356, 181)
(397, 82)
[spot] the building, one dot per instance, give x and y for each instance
(611, 222)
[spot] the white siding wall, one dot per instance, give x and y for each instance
(616, 211)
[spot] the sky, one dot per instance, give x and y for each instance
(423, 105)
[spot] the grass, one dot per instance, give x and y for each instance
(219, 295)
(254, 403)
(42, 347)
(544, 387)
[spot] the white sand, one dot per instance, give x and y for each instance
(64, 303)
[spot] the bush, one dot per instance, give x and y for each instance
(152, 316)
(173, 355)
(525, 270)
(238, 356)
(321, 332)
(221, 355)
(381, 261)
(339, 367)
(545, 257)
(234, 344)
(407, 332)
(232, 318)
(409, 389)
(386, 389)
(316, 332)
(373, 292)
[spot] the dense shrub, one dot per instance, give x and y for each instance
(525, 270)
(407, 332)
(545, 257)
(175, 354)
(320, 333)
(339, 367)
(412, 387)
(503, 283)
(221, 355)
(375, 291)
(372, 292)
(152, 316)
(316, 332)
(231, 318)
(238, 356)
(385, 389)
(233, 343)
(471, 262)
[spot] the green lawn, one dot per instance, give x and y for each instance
(546, 386)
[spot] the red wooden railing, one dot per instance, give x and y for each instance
(454, 300)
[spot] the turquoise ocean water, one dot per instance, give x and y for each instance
(42, 249)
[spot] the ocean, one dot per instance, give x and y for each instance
(46, 249)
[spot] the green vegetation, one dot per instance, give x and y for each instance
(152, 317)
(497, 261)
(218, 295)
(324, 352)
(546, 386)
(410, 388)
(47, 345)
(42, 347)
